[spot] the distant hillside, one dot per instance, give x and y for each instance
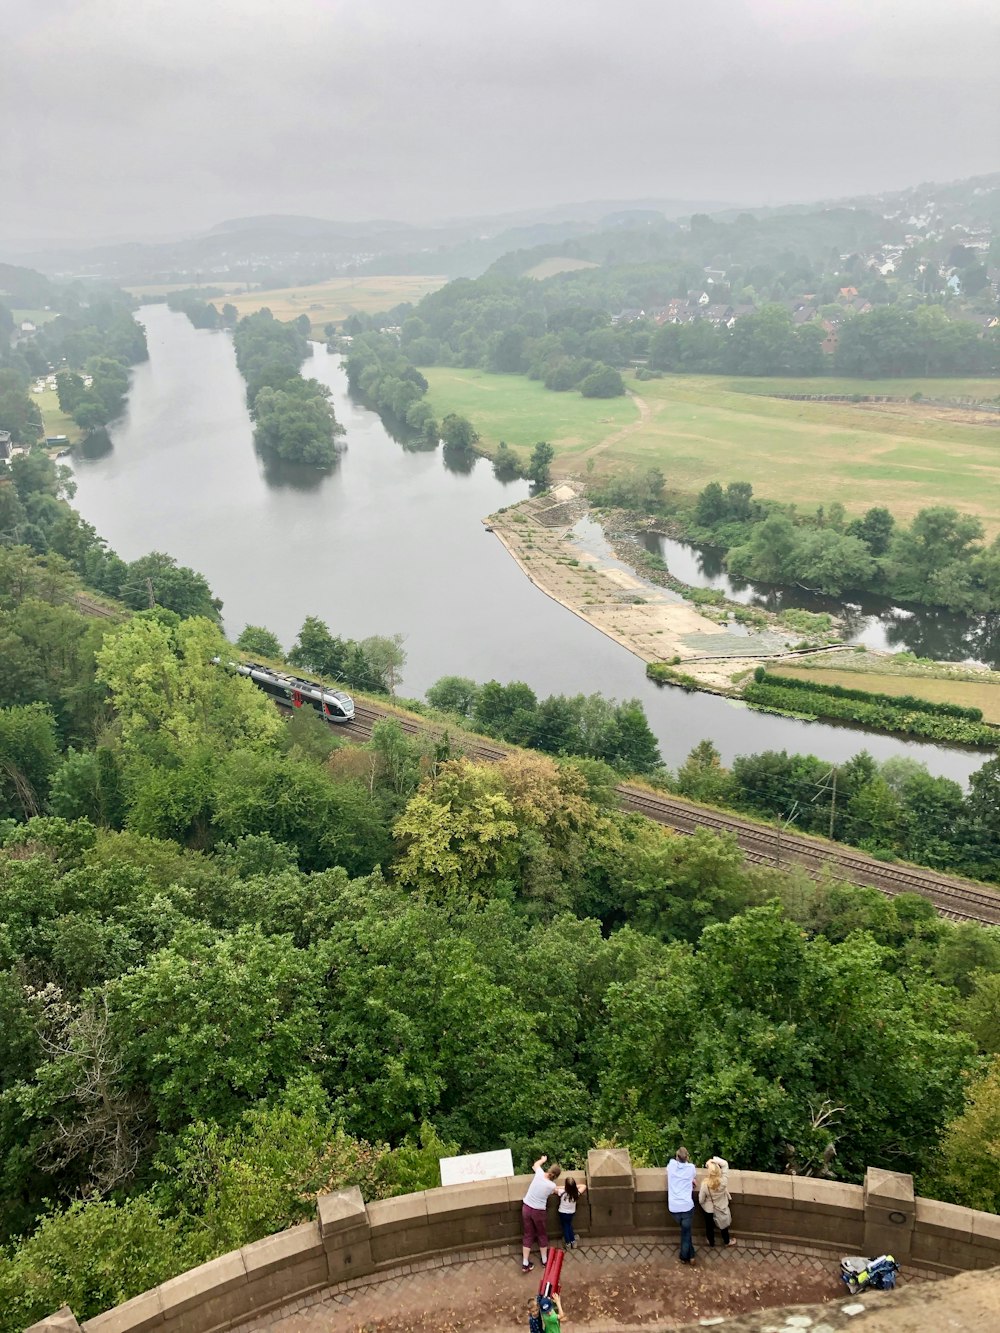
(24, 288)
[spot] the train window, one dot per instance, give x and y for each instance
(333, 709)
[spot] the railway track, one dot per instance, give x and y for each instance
(761, 844)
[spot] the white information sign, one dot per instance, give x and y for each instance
(476, 1166)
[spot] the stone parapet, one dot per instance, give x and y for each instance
(350, 1241)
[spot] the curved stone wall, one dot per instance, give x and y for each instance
(350, 1239)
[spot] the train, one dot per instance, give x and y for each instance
(294, 692)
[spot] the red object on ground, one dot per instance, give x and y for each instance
(552, 1274)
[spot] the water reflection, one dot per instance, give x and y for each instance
(459, 461)
(280, 471)
(95, 445)
(873, 621)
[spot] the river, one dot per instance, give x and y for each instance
(390, 541)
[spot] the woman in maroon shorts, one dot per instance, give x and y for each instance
(534, 1230)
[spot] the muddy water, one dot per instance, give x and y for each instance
(390, 541)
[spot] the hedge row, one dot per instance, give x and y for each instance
(871, 712)
(908, 701)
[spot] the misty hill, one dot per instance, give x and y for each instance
(290, 248)
(24, 288)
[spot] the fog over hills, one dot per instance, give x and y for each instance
(292, 248)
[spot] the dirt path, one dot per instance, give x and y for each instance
(645, 415)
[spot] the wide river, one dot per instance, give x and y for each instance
(390, 541)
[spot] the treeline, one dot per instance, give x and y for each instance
(360, 921)
(36, 520)
(894, 809)
(386, 378)
(203, 314)
(589, 725)
(524, 327)
(374, 665)
(940, 559)
(293, 417)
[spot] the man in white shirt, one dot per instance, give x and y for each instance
(681, 1184)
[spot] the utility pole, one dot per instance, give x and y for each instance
(821, 790)
(781, 828)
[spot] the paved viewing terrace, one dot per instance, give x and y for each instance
(447, 1259)
(625, 1283)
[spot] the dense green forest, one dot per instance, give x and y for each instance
(293, 417)
(243, 961)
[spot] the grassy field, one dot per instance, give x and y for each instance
(701, 428)
(548, 268)
(334, 299)
(981, 388)
(36, 316)
(523, 411)
(55, 421)
(984, 694)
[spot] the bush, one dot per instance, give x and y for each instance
(908, 701)
(91, 1257)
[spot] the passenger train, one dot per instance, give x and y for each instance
(294, 692)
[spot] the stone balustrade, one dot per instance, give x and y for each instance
(350, 1239)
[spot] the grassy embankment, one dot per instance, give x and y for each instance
(701, 428)
(334, 299)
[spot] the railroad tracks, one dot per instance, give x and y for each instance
(761, 844)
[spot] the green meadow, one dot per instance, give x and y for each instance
(701, 428)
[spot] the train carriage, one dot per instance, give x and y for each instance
(295, 692)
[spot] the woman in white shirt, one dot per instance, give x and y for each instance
(533, 1220)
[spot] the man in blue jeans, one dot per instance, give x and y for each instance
(681, 1185)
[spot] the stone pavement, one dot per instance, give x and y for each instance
(605, 1286)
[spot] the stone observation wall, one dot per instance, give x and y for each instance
(350, 1239)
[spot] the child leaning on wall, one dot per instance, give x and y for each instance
(569, 1196)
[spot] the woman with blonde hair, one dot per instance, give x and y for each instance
(715, 1199)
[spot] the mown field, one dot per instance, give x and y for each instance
(970, 694)
(523, 411)
(548, 268)
(55, 421)
(334, 299)
(701, 428)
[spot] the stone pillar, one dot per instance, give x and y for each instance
(346, 1233)
(890, 1210)
(611, 1191)
(63, 1321)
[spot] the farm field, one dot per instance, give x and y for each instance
(548, 268)
(523, 411)
(334, 299)
(55, 421)
(701, 428)
(970, 694)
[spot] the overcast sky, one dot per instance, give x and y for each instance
(155, 117)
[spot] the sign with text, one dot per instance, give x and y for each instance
(476, 1166)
